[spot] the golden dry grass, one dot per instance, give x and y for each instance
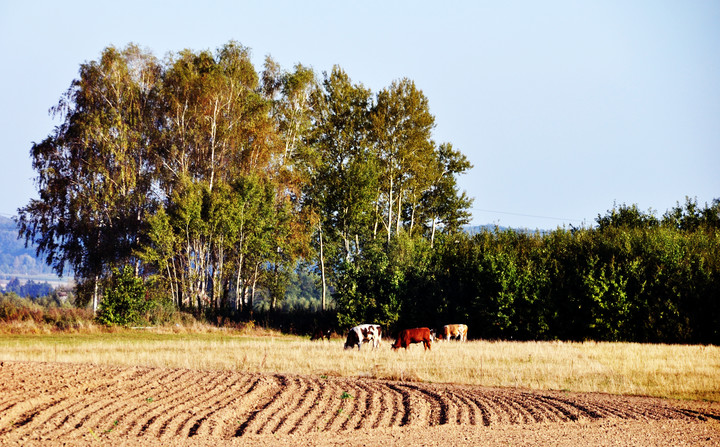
(674, 371)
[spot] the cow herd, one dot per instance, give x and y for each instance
(372, 333)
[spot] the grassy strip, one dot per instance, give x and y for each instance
(670, 371)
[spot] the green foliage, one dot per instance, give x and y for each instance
(375, 287)
(125, 301)
(634, 278)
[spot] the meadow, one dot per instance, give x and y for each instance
(668, 371)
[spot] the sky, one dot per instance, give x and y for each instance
(565, 108)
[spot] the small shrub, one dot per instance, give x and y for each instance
(125, 300)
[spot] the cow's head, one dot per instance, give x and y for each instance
(352, 340)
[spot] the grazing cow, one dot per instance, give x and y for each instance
(418, 335)
(455, 331)
(320, 334)
(364, 333)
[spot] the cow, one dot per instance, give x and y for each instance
(364, 333)
(320, 334)
(455, 331)
(418, 335)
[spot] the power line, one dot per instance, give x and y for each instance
(566, 219)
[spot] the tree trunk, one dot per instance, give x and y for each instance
(432, 235)
(238, 282)
(399, 212)
(390, 206)
(322, 267)
(95, 296)
(252, 292)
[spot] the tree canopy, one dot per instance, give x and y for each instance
(208, 183)
(214, 179)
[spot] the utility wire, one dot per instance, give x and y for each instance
(527, 215)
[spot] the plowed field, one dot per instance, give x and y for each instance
(58, 403)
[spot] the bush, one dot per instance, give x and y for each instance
(125, 302)
(33, 317)
(67, 318)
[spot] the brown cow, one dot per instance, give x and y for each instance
(320, 334)
(456, 331)
(418, 335)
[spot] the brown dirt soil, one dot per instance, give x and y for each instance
(79, 404)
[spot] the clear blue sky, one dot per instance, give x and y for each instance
(563, 107)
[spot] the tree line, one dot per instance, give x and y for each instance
(212, 180)
(29, 289)
(200, 183)
(633, 277)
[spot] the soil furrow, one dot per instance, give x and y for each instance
(529, 408)
(260, 396)
(396, 410)
(438, 402)
(335, 411)
(178, 394)
(362, 402)
(459, 412)
(504, 412)
(223, 420)
(471, 409)
(169, 407)
(373, 405)
(96, 403)
(265, 413)
(183, 400)
(551, 413)
(206, 395)
(118, 406)
(581, 410)
(571, 412)
(703, 416)
(291, 397)
(317, 415)
(24, 418)
(124, 407)
(487, 407)
(416, 408)
(297, 410)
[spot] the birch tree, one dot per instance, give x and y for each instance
(401, 132)
(95, 171)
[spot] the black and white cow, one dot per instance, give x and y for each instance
(364, 333)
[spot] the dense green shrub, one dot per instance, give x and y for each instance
(632, 278)
(125, 301)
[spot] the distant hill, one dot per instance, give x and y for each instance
(16, 261)
(475, 229)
